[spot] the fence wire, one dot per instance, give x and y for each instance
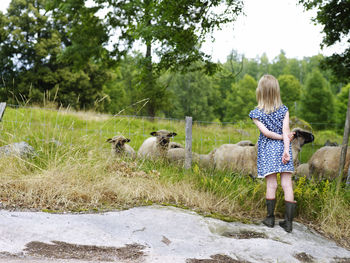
(67, 128)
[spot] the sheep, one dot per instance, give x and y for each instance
(329, 143)
(236, 158)
(173, 145)
(177, 156)
(245, 143)
(203, 160)
(120, 148)
(324, 163)
(302, 170)
(156, 146)
(243, 158)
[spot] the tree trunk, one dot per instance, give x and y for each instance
(148, 78)
(344, 146)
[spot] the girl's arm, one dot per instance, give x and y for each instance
(266, 132)
(286, 141)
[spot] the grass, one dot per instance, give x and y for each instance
(73, 171)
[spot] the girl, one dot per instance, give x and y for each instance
(274, 149)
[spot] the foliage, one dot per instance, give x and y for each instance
(193, 94)
(33, 71)
(317, 103)
(341, 105)
(61, 52)
(171, 30)
(240, 100)
(290, 92)
(334, 16)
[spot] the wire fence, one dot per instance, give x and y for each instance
(66, 127)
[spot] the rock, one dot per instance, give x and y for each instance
(21, 149)
(158, 234)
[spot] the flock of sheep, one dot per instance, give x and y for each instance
(240, 157)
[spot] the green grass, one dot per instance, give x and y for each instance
(78, 173)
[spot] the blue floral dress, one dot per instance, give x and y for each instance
(270, 151)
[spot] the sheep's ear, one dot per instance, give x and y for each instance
(172, 134)
(153, 133)
(109, 140)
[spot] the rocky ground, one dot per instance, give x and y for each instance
(155, 234)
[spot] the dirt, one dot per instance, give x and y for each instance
(62, 250)
(244, 235)
(303, 257)
(216, 259)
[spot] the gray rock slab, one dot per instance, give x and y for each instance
(166, 234)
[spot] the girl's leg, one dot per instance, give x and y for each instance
(287, 185)
(271, 186)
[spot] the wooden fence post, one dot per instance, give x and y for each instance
(344, 146)
(188, 145)
(2, 109)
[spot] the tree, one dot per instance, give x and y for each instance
(264, 65)
(290, 92)
(227, 74)
(241, 99)
(294, 68)
(171, 30)
(317, 104)
(279, 64)
(31, 50)
(193, 94)
(334, 16)
(341, 105)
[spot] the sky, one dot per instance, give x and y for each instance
(268, 26)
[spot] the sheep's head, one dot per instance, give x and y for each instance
(302, 136)
(163, 137)
(118, 142)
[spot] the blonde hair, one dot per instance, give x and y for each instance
(268, 94)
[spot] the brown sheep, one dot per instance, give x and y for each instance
(120, 148)
(324, 163)
(156, 146)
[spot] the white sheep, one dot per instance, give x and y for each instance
(177, 156)
(173, 145)
(302, 170)
(156, 146)
(245, 143)
(243, 159)
(324, 163)
(236, 158)
(120, 148)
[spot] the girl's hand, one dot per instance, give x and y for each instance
(285, 157)
(291, 136)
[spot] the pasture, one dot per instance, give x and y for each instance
(74, 171)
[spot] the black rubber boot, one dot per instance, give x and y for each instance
(270, 219)
(287, 224)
